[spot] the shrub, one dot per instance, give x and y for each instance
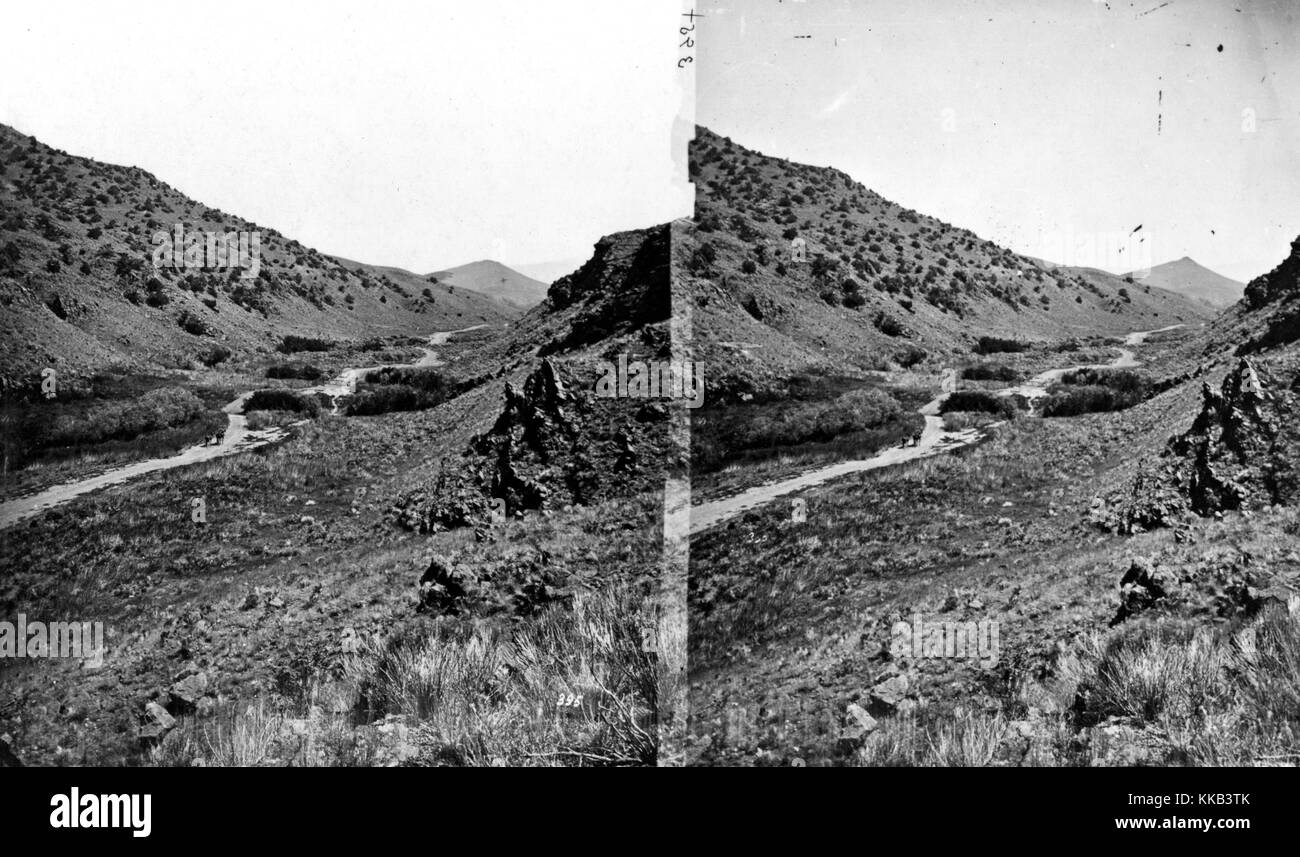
(802, 422)
(403, 388)
(192, 324)
(1095, 390)
(889, 325)
(978, 400)
(1074, 401)
(990, 372)
(290, 344)
(909, 357)
(156, 409)
(994, 345)
(702, 258)
(302, 371)
(214, 355)
(282, 400)
(1122, 380)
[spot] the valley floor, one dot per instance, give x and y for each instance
(286, 627)
(794, 647)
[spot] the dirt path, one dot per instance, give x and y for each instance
(934, 440)
(238, 438)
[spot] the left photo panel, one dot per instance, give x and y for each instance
(336, 387)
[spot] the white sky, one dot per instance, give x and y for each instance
(421, 135)
(1020, 119)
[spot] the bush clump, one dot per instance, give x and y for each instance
(979, 401)
(214, 355)
(990, 372)
(290, 344)
(1091, 391)
(299, 371)
(282, 400)
(995, 345)
(403, 388)
(909, 357)
(156, 409)
(856, 410)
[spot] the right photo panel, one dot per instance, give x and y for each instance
(997, 458)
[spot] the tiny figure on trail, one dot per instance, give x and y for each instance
(916, 439)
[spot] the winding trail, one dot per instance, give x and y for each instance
(934, 440)
(238, 438)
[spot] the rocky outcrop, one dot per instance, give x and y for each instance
(553, 444)
(1281, 283)
(1274, 299)
(624, 289)
(531, 441)
(1241, 453)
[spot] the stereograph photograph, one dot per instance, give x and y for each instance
(759, 383)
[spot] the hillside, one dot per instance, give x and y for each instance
(1097, 549)
(1185, 277)
(81, 291)
(547, 441)
(1241, 450)
(496, 281)
(417, 283)
(539, 514)
(879, 280)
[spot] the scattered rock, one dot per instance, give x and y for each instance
(443, 587)
(888, 694)
(157, 722)
(1141, 587)
(8, 758)
(188, 691)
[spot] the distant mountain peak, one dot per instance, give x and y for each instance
(496, 280)
(1187, 277)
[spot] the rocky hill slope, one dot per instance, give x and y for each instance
(790, 265)
(80, 288)
(1242, 452)
(548, 441)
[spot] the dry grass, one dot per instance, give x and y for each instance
(926, 738)
(569, 687)
(1206, 698)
